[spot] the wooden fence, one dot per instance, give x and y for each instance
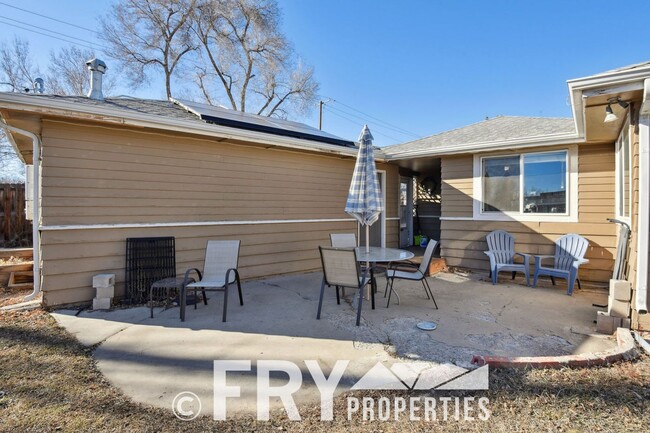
(15, 229)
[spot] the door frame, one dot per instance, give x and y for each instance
(409, 205)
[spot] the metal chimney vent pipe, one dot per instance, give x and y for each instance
(97, 68)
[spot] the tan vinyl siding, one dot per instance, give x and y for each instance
(99, 175)
(463, 241)
(94, 175)
(456, 189)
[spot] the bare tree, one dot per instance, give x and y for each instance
(18, 72)
(16, 67)
(246, 59)
(11, 168)
(68, 74)
(149, 34)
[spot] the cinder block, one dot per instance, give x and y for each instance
(105, 292)
(620, 290)
(606, 324)
(618, 308)
(625, 323)
(103, 280)
(101, 303)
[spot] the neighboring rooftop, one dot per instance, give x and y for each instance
(495, 130)
(200, 113)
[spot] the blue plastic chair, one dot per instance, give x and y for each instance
(570, 251)
(501, 245)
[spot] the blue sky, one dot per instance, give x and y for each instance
(422, 66)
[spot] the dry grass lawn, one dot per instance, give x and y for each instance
(49, 382)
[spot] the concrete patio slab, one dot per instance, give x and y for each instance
(152, 360)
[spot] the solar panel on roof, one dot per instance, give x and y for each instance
(253, 122)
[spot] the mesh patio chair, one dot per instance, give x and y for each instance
(570, 253)
(219, 272)
(420, 273)
(501, 246)
(341, 269)
(343, 240)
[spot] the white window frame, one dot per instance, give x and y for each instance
(571, 188)
(619, 185)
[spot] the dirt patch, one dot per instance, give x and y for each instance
(12, 296)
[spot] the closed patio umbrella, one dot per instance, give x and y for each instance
(365, 202)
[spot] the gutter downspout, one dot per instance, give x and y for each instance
(643, 220)
(36, 158)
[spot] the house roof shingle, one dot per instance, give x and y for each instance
(219, 116)
(497, 129)
(128, 104)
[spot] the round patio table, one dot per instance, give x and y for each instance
(382, 255)
(376, 255)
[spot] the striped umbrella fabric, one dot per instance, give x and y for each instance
(365, 201)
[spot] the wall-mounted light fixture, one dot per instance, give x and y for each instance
(609, 114)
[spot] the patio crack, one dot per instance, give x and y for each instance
(93, 347)
(498, 316)
(278, 286)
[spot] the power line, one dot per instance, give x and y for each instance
(328, 109)
(84, 41)
(49, 18)
(48, 35)
(404, 131)
(400, 129)
(365, 120)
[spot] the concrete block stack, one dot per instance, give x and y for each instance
(618, 308)
(104, 285)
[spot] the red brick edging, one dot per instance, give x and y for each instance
(625, 350)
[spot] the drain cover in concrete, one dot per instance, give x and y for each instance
(427, 326)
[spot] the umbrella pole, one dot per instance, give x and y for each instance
(367, 238)
(368, 294)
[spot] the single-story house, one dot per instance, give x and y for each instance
(110, 169)
(540, 178)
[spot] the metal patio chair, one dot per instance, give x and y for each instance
(420, 273)
(570, 251)
(501, 246)
(343, 240)
(219, 272)
(341, 269)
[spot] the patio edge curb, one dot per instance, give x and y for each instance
(625, 350)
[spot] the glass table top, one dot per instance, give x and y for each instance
(378, 254)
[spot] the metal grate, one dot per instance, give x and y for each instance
(148, 260)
